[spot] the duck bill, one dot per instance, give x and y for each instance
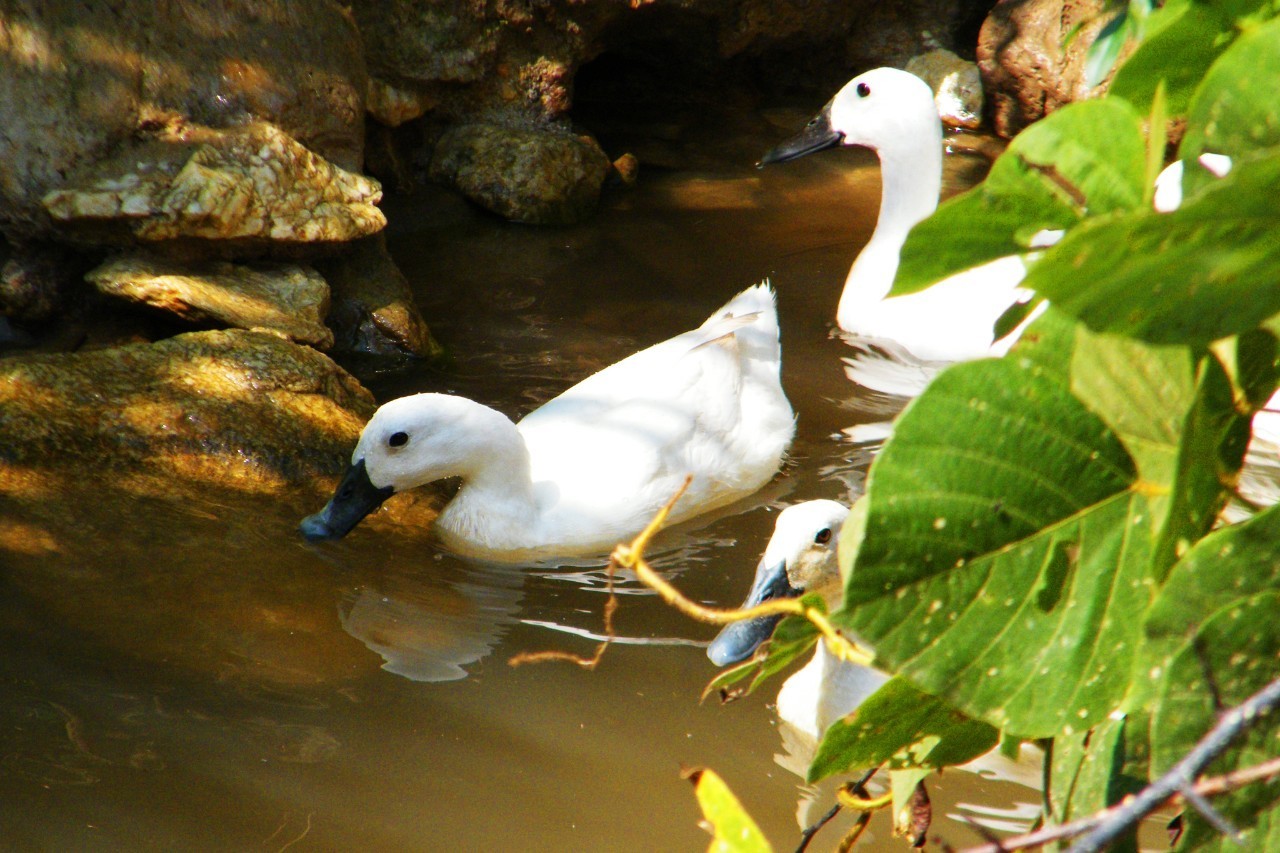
(355, 497)
(738, 641)
(817, 135)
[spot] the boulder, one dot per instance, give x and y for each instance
(372, 309)
(956, 84)
(1027, 71)
(543, 177)
(241, 410)
(288, 299)
(249, 183)
(82, 80)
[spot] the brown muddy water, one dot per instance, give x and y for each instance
(191, 675)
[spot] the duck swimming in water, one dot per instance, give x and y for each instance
(591, 467)
(893, 113)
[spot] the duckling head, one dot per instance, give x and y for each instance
(800, 558)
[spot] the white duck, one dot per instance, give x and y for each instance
(591, 467)
(801, 557)
(893, 113)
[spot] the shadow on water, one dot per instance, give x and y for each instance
(186, 672)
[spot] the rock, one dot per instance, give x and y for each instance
(81, 80)
(542, 177)
(36, 283)
(1026, 71)
(249, 183)
(956, 84)
(627, 169)
(236, 409)
(289, 299)
(372, 305)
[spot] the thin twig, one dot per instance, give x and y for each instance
(631, 556)
(806, 835)
(1102, 828)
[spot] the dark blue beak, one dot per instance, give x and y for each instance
(354, 498)
(738, 641)
(816, 136)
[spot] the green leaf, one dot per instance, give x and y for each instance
(792, 637)
(1005, 551)
(1201, 273)
(1216, 640)
(1183, 40)
(1085, 159)
(1234, 110)
(901, 726)
(733, 829)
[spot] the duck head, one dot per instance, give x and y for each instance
(800, 558)
(409, 442)
(879, 108)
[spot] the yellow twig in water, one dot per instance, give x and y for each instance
(631, 556)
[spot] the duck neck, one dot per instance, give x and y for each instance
(495, 503)
(911, 179)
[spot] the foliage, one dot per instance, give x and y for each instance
(1041, 550)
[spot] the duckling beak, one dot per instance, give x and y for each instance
(355, 497)
(738, 641)
(817, 135)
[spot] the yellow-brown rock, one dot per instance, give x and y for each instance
(252, 182)
(289, 299)
(233, 409)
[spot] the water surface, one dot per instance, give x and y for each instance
(189, 674)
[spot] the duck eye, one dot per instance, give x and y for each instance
(863, 90)
(824, 536)
(398, 439)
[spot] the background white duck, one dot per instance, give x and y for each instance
(893, 113)
(589, 468)
(801, 557)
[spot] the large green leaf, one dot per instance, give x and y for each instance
(1216, 639)
(1085, 769)
(901, 726)
(1005, 551)
(1183, 40)
(1235, 110)
(1203, 272)
(1085, 159)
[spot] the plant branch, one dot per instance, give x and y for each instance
(1097, 831)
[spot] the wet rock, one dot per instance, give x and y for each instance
(83, 79)
(527, 175)
(289, 299)
(1026, 70)
(372, 307)
(248, 183)
(36, 283)
(236, 409)
(956, 84)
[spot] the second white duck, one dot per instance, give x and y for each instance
(801, 557)
(893, 113)
(591, 467)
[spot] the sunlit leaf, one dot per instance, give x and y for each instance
(1087, 158)
(733, 830)
(1203, 272)
(901, 726)
(1005, 551)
